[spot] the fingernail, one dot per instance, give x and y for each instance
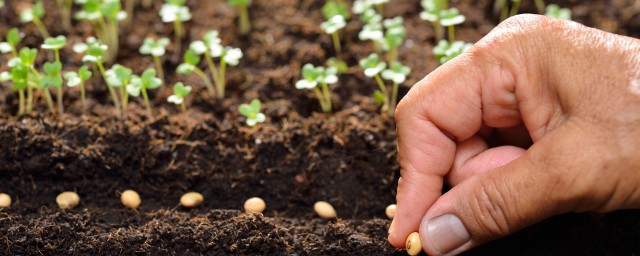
(447, 233)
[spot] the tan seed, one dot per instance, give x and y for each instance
(191, 199)
(130, 199)
(5, 200)
(68, 200)
(324, 210)
(254, 205)
(413, 244)
(390, 211)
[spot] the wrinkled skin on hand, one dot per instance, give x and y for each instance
(573, 92)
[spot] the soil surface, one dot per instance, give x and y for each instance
(291, 161)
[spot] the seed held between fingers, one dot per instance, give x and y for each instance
(254, 205)
(191, 199)
(130, 199)
(413, 244)
(325, 210)
(68, 200)
(391, 211)
(5, 200)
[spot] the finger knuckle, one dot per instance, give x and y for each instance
(489, 206)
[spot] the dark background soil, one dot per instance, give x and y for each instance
(294, 159)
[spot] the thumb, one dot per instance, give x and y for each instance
(499, 202)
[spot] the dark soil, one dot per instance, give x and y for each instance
(293, 160)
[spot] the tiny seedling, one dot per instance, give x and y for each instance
(157, 49)
(52, 77)
(175, 11)
(312, 76)
(335, 7)
(33, 78)
(190, 65)
(11, 45)
(120, 77)
(372, 29)
(450, 18)
(254, 205)
(1, 4)
(446, 51)
(104, 16)
(179, 93)
(211, 48)
(397, 74)
(373, 66)
(252, 112)
(142, 83)
(332, 27)
(191, 200)
(431, 12)
(393, 37)
(553, 10)
(77, 79)
(325, 210)
(244, 22)
(35, 14)
(360, 6)
(55, 44)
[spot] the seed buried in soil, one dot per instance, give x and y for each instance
(413, 244)
(390, 211)
(5, 200)
(68, 200)
(191, 199)
(325, 210)
(130, 199)
(254, 205)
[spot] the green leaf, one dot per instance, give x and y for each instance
(239, 2)
(54, 43)
(176, 2)
(149, 79)
(28, 55)
(255, 105)
(84, 73)
(13, 37)
(333, 8)
(19, 76)
(378, 97)
(180, 90)
(52, 74)
(245, 110)
(191, 57)
(185, 69)
(340, 65)
(38, 9)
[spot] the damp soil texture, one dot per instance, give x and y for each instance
(297, 157)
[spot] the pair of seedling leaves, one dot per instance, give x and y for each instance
(96, 9)
(434, 11)
(252, 112)
(174, 10)
(119, 76)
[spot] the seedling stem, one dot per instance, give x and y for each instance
(113, 93)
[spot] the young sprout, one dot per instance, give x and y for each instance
(74, 79)
(68, 200)
(55, 44)
(65, 12)
(32, 77)
(157, 49)
(325, 210)
(190, 65)
(244, 22)
(211, 48)
(553, 10)
(338, 64)
(312, 76)
(431, 13)
(130, 199)
(18, 75)
(335, 7)
(147, 81)
(332, 27)
(175, 11)
(394, 37)
(11, 45)
(179, 93)
(52, 77)
(35, 14)
(254, 205)
(191, 199)
(372, 29)
(104, 16)
(397, 74)
(5, 200)
(373, 66)
(413, 244)
(446, 51)
(121, 77)
(94, 52)
(450, 18)
(252, 112)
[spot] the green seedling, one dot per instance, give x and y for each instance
(244, 22)
(104, 16)
(52, 77)
(77, 79)
(553, 10)
(55, 44)
(179, 93)
(1, 4)
(65, 12)
(394, 37)
(157, 49)
(120, 77)
(450, 18)
(94, 52)
(252, 112)
(397, 74)
(211, 48)
(360, 6)
(373, 66)
(190, 65)
(372, 29)
(175, 11)
(335, 7)
(332, 27)
(18, 75)
(431, 12)
(11, 45)
(142, 83)
(445, 51)
(27, 58)
(338, 64)
(35, 14)
(312, 76)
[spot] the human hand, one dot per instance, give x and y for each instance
(571, 90)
